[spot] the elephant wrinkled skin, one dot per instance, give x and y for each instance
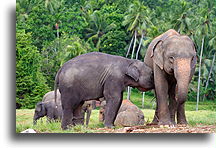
(94, 75)
(173, 58)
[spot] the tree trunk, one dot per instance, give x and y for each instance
(212, 65)
(143, 99)
(129, 93)
(128, 51)
(139, 47)
(134, 45)
(200, 62)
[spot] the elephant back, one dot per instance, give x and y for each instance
(50, 96)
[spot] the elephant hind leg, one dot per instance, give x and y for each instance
(68, 106)
(78, 117)
(67, 118)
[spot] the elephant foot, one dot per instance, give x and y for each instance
(152, 123)
(183, 124)
(166, 124)
(109, 125)
(78, 121)
(66, 127)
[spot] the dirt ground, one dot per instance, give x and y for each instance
(157, 129)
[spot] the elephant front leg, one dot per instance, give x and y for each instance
(172, 103)
(113, 99)
(113, 105)
(181, 118)
(161, 89)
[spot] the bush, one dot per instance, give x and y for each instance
(30, 83)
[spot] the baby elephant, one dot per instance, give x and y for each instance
(129, 115)
(96, 75)
(47, 107)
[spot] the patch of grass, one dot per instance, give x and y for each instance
(24, 121)
(206, 115)
(149, 103)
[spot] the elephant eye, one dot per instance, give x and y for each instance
(171, 59)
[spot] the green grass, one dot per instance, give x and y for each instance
(136, 98)
(24, 121)
(205, 116)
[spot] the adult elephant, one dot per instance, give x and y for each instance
(173, 58)
(96, 75)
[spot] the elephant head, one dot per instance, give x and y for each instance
(141, 74)
(176, 55)
(40, 111)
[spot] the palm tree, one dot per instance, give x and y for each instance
(53, 5)
(137, 20)
(203, 30)
(97, 28)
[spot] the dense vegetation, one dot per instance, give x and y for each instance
(49, 32)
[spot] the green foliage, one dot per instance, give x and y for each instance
(58, 52)
(114, 43)
(30, 83)
(58, 30)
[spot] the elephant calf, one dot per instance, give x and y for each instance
(47, 107)
(128, 115)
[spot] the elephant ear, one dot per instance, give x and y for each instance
(41, 108)
(156, 46)
(133, 72)
(158, 54)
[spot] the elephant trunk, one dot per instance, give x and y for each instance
(35, 119)
(182, 72)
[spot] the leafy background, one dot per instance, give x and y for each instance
(50, 32)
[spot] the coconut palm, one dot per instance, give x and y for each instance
(97, 28)
(137, 20)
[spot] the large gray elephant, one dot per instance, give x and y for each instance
(96, 75)
(173, 58)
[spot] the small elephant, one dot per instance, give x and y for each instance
(102, 111)
(48, 108)
(173, 58)
(87, 108)
(128, 115)
(96, 75)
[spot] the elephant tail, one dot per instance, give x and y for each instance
(56, 87)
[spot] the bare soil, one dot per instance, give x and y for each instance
(158, 129)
